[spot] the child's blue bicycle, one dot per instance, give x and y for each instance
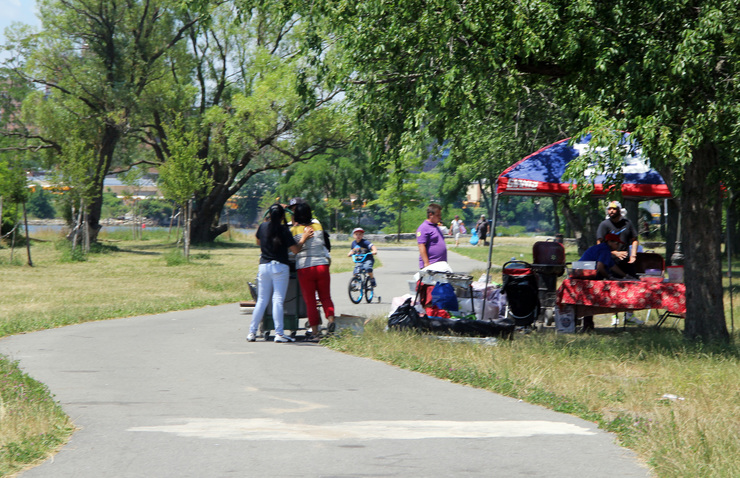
(360, 285)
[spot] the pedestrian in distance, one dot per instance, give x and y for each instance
(482, 227)
(457, 228)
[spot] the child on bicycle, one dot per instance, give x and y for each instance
(361, 246)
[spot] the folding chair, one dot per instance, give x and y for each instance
(666, 315)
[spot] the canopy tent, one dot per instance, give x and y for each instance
(541, 173)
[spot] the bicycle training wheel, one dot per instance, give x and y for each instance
(355, 289)
(369, 290)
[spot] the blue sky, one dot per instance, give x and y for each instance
(23, 11)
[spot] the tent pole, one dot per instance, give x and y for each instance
(492, 215)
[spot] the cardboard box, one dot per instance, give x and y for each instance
(353, 322)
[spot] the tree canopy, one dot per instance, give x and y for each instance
(666, 70)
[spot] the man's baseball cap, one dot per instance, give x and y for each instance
(615, 204)
(613, 237)
(295, 201)
(357, 229)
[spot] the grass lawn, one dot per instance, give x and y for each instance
(623, 380)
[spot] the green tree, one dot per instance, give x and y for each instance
(402, 188)
(250, 195)
(113, 206)
(261, 100)
(40, 204)
(666, 70)
(338, 185)
(13, 159)
(99, 63)
(12, 192)
(156, 210)
(182, 177)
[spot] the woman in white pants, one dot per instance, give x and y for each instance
(275, 240)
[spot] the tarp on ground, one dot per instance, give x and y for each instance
(541, 173)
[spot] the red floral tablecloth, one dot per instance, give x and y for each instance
(604, 296)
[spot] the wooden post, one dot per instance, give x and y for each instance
(12, 239)
(28, 240)
(186, 233)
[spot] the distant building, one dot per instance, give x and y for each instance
(143, 188)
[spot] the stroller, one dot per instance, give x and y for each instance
(522, 293)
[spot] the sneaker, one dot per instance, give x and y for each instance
(630, 317)
(373, 283)
(284, 338)
(251, 337)
(615, 320)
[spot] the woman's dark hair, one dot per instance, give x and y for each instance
(277, 218)
(302, 213)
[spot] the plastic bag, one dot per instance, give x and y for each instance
(443, 296)
(404, 317)
(474, 237)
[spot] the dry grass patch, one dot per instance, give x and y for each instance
(126, 279)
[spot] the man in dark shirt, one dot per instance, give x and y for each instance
(619, 225)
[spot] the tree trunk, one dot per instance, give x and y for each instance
(555, 215)
(701, 238)
(110, 140)
(582, 223)
(486, 204)
(671, 228)
(398, 229)
(186, 235)
(633, 212)
(206, 215)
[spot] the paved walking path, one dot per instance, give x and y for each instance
(182, 394)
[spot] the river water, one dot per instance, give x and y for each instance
(37, 228)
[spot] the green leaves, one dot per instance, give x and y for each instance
(183, 175)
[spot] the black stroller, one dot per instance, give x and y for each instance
(522, 293)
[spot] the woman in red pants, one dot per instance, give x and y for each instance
(312, 264)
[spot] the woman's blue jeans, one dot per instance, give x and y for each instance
(272, 283)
